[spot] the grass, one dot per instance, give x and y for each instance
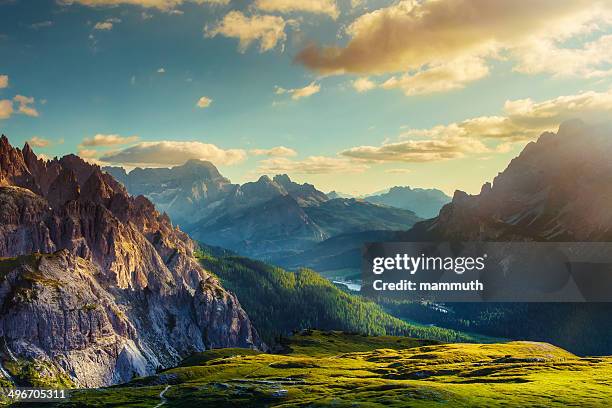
(38, 374)
(346, 370)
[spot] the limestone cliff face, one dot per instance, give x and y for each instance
(122, 293)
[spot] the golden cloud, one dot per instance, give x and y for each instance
(310, 165)
(108, 140)
(39, 142)
(25, 105)
(6, 108)
(299, 93)
(268, 30)
(172, 153)
(4, 81)
(327, 7)
(278, 151)
(444, 44)
(204, 102)
(522, 120)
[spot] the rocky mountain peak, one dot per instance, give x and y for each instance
(558, 188)
(99, 309)
(64, 188)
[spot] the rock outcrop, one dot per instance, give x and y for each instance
(121, 293)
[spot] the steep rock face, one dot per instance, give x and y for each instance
(139, 261)
(559, 188)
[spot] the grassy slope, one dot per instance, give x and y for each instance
(337, 369)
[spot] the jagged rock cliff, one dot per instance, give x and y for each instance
(122, 293)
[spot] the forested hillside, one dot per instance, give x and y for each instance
(280, 302)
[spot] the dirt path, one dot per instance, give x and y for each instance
(161, 396)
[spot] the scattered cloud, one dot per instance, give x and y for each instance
(522, 120)
(278, 151)
(440, 78)
(204, 102)
(108, 140)
(163, 5)
(6, 108)
(4, 81)
(363, 84)
(444, 45)
(299, 93)
(41, 24)
(327, 7)
(39, 142)
(25, 105)
(592, 60)
(107, 24)
(172, 153)
(398, 171)
(268, 30)
(417, 150)
(88, 153)
(103, 26)
(310, 165)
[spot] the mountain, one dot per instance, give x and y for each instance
(271, 218)
(558, 189)
(184, 192)
(426, 203)
(96, 286)
(336, 194)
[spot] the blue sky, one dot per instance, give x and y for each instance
(445, 97)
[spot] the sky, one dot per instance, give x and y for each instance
(350, 95)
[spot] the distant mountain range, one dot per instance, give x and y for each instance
(273, 219)
(426, 203)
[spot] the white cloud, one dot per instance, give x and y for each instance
(310, 165)
(278, 151)
(108, 140)
(163, 5)
(161, 70)
(172, 153)
(268, 30)
(299, 93)
(204, 102)
(363, 84)
(4, 81)
(6, 108)
(327, 7)
(39, 142)
(25, 105)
